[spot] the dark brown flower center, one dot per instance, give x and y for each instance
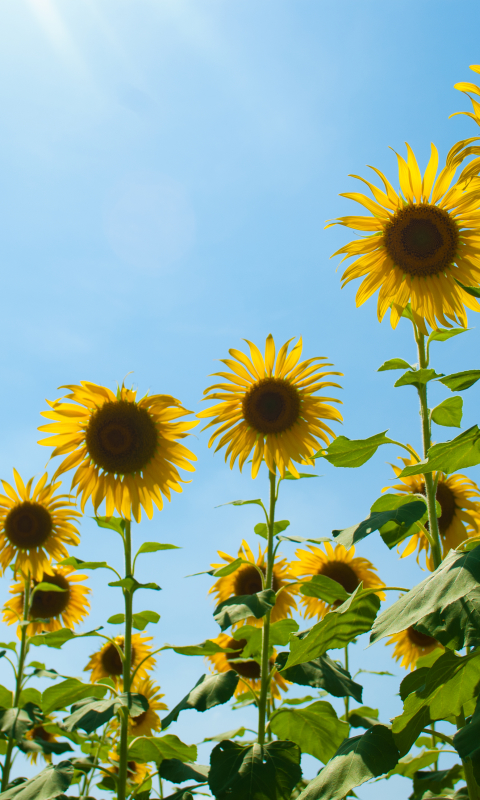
(111, 661)
(247, 669)
(421, 239)
(138, 720)
(28, 525)
(420, 639)
(342, 573)
(121, 437)
(446, 499)
(50, 604)
(39, 732)
(272, 405)
(248, 581)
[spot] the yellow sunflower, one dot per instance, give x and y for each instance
(269, 406)
(148, 721)
(35, 526)
(410, 645)
(63, 609)
(246, 580)
(339, 565)
(425, 242)
(460, 517)
(136, 773)
(474, 89)
(106, 663)
(249, 669)
(41, 734)
(125, 451)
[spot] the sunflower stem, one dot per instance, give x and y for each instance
(346, 699)
(262, 703)
(472, 786)
(430, 492)
(7, 765)
(127, 665)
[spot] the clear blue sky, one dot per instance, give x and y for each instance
(166, 170)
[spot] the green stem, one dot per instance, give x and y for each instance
(127, 665)
(346, 699)
(430, 492)
(467, 765)
(19, 680)
(262, 703)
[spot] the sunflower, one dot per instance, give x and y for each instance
(339, 565)
(63, 609)
(106, 663)
(40, 734)
(148, 721)
(474, 89)
(246, 580)
(126, 451)
(460, 513)
(270, 407)
(35, 526)
(425, 243)
(249, 669)
(136, 773)
(410, 645)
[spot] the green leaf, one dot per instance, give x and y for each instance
(156, 748)
(68, 692)
(6, 697)
(302, 540)
(281, 630)
(176, 771)
(90, 713)
(52, 782)
(459, 381)
(132, 585)
(9, 646)
(459, 453)
(316, 729)
(356, 761)
(442, 334)
(209, 691)
(17, 721)
(220, 737)
(77, 563)
(206, 648)
(44, 586)
(289, 477)
(142, 618)
(278, 527)
(408, 766)
(403, 518)
(449, 413)
(117, 619)
(446, 605)
(252, 636)
(228, 569)
(238, 608)
(417, 377)
(436, 781)
(30, 695)
(153, 547)
(467, 741)
(321, 673)
(363, 717)
(254, 772)
(42, 746)
(325, 588)
(58, 638)
(393, 533)
(343, 452)
(394, 363)
(243, 503)
(336, 629)
(113, 523)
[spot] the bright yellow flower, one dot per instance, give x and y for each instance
(125, 451)
(106, 663)
(148, 721)
(35, 526)
(246, 580)
(425, 242)
(460, 517)
(136, 773)
(269, 407)
(339, 565)
(249, 669)
(410, 645)
(474, 89)
(41, 734)
(63, 609)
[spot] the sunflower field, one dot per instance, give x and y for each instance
(295, 615)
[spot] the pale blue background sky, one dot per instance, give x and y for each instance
(166, 170)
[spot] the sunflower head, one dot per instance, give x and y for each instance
(423, 247)
(107, 662)
(410, 645)
(269, 405)
(339, 565)
(40, 734)
(35, 526)
(248, 580)
(470, 88)
(136, 773)
(125, 451)
(248, 669)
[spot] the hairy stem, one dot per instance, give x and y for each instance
(127, 665)
(262, 703)
(346, 699)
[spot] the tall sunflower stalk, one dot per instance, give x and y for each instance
(264, 667)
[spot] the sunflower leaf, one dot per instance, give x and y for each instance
(343, 452)
(316, 729)
(301, 539)
(436, 781)
(17, 721)
(132, 585)
(289, 477)
(254, 772)
(417, 378)
(457, 454)
(220, 737)
(278, 527)
(153, 547)
(473, 290)
(142, 618)
(58, 638)
(206, 648)
(243, 503)
(6, 697)
(467, 741)
(68, 692)
(72, 561)
(324, 588)
(321, 673)
(404, 517)
(459, 381)
(238, 608)
(449, 413)
(176, 771)
(52, 782)
(392, 532)
(42, 746)
(44, 586)
(363, 717)
(209, 691)
(116, 619)
(394, 363)
(113, 523)
(442, 334)
(410, 764)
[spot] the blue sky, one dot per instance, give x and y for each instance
(166, 170)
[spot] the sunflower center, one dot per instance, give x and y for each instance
(248, 581)
(341, 573)
(111, 661)
(272, 405)
(420, 639)
(247, 669)
(39, 732)
(421, 239)
(446, 499)
(138, 720)
(28, 525)
(50, 604)
(121, 437)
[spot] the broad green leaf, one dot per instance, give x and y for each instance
(321, 673)
(252, 636)
(243, 503)
(435, 782)
(113, 523)
(90, 713)
(180, 794)
(459, 381)
(17, 721)
(156, 748)
(289, 477)
(356, 761)
(153, 547)
(254, 772)
(393, 532)
(336, 629)
(176, 771)
(77, 563)
(442, 334)
(467, 741)
(68, 692)
(408, 766)
(58, 638)
(44, 586)
(228, 569)
(238, 608)
(394, 363)
(403, 517)
(209, 691)
(9, 646)
(417, 377)
(281, 630)
(457, 454)
(413, 681)
(6, 697)
(30, 695)
(142, 618)
(42, 746)
(302, 540)
(473, 290)
(206, 648)
(449, 413)
(343, 452)
(363, 717)
(132, 585)
(316, 729)
(278, 527)
(220, 737)
(446, 605)
(325, 588)
(52, 782)
(117, 619)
